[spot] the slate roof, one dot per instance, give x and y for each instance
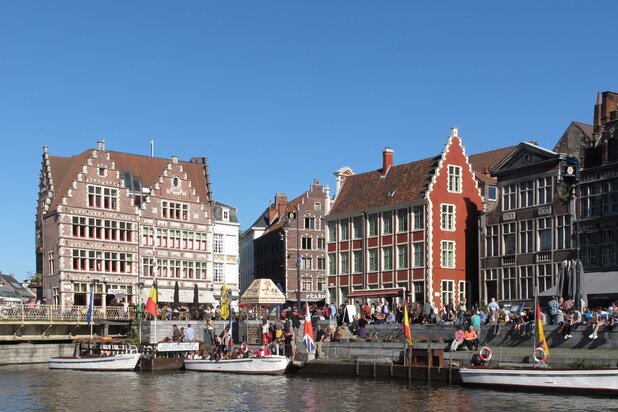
(11, 288)
(144, 168)
(403, 182)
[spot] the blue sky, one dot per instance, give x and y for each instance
(277, 94)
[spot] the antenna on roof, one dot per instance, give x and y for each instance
(152, 148)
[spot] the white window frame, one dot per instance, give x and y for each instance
(454, 179)
(403, 257)
(447, 217)
(447, 291)
(447, 254)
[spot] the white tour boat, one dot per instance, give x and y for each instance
(267, 365)
(590, 381)
(99, 355)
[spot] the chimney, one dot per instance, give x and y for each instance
(387, 160)
(281, 201)
(597, 112)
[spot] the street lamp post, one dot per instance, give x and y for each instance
(140, 309)
(297, 259)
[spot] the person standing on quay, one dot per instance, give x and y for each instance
(319, 339)
(554, 307)
(190, 334)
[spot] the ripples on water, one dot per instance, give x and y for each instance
(34, 387)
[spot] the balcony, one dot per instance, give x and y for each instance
(508, 260)
(542, 257)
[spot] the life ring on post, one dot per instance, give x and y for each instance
(539, 355)
(485, 354)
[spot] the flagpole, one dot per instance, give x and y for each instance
(405, 340)
(536, 327)
(154, 274)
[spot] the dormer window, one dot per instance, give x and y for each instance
(226, 215)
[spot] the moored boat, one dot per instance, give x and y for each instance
(166, 355)
(99, 355)
(592, 381)
(267, 365)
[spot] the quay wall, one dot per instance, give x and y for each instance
(26, 352)
(507, 336)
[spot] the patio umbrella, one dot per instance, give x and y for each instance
(176, 294)
(196, 297)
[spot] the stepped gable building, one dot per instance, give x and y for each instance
(104, 218)
(412, 225)
(529, 233)
(292, 249)
(596, 146)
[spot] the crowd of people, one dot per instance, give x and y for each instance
(558, 311)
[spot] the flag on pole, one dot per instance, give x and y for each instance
(308, 331)
(90, 305)
(224, 302)
(540, 332)
(406, 326)
(151, 303)
(229, 306)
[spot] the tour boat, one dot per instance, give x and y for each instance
(99, 355)
(166, 355)
(592, 381)
(267, 365)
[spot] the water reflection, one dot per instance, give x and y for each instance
(34, 387)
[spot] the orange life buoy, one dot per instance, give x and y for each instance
(485, 354)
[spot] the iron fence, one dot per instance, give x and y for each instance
(56, 313)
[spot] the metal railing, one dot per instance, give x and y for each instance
(56, 313)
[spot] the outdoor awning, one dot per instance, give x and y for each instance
(548, 292)
(593, 283)
(185, 295)
(377, 293)
(600, 283)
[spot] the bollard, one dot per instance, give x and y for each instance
(429, 363)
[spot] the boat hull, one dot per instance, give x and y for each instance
(120, 362)
(581, 380)
(269, 365)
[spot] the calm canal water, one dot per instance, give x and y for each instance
(34, 387)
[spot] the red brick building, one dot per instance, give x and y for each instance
(412, 225)
(292, 249)
(103, 215)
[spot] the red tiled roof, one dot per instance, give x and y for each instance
(482, 163)
(146, 169)
(405, 182)
(402, 183)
